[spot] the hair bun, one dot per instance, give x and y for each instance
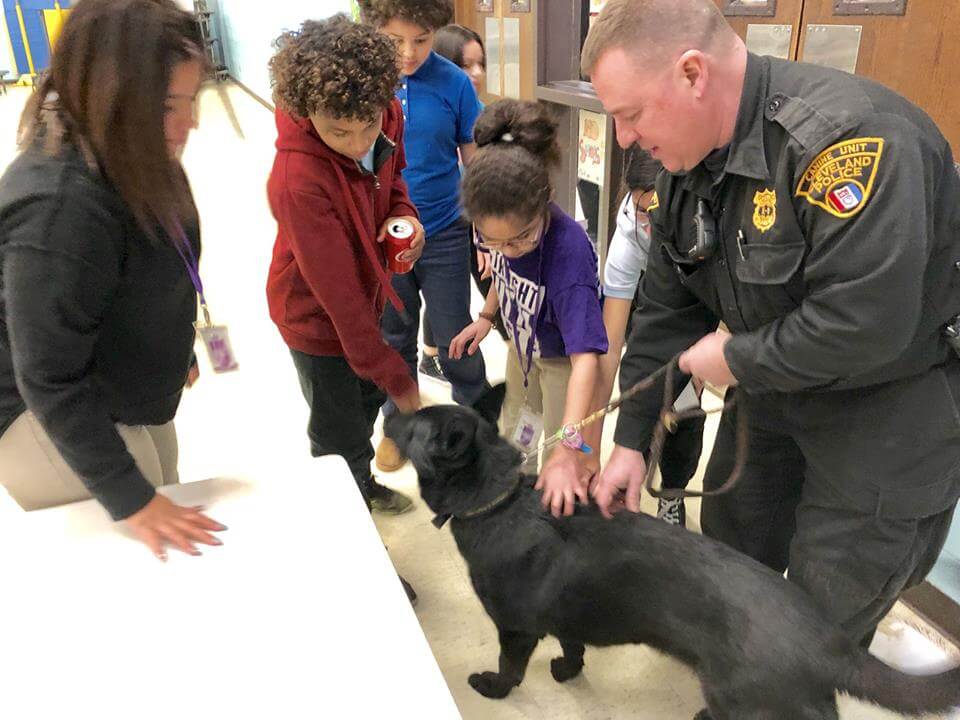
(519, 123)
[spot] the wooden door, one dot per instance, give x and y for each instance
(748, 17)
(916, 54)
(509, 37)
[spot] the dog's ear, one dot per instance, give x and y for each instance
(489, 404)
(456, 439)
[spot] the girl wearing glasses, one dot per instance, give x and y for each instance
(546, 288)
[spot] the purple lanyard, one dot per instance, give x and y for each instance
(534, 320)
(185, 251)
(532, 340)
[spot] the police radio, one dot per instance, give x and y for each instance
(706, 233)
(704, 238)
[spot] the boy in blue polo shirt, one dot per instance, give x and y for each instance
(440, 107)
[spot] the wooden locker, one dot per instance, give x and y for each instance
(916, 54)
(741, 14)
(467, 14)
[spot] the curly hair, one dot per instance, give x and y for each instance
(510, 174)
(428, 14)
(334, 66)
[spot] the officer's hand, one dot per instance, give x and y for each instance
(623, 473)
(705, 360)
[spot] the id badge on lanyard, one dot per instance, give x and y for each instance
(529, 422)
(216, 338)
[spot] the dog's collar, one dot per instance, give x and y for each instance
(440, 520)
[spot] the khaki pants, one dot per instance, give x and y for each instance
(545, 394)
(36, 475)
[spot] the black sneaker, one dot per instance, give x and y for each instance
(408, 588)
(672, 512)
(430, 366)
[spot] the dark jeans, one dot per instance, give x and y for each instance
(442, 275)
(681, 454)
(483, 285)
(800, 505)
(343, 409)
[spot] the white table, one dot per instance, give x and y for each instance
(298, 615)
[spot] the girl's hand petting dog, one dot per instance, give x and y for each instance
(564, 480)
(470, 338)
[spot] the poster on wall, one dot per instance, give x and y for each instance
(592, 147)
(485, 5)
(520, 6)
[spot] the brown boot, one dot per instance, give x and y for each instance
(389, 458)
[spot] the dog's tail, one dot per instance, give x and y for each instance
(870, 679)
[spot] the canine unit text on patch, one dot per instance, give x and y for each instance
(841, 178)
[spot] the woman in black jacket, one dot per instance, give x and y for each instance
(97, 230)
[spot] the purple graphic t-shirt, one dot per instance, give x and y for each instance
(554, 289)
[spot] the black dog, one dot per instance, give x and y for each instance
(760, 646)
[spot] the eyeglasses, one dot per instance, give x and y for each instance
(526, 238)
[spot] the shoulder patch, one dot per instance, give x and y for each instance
(841, 178)
(654, 202)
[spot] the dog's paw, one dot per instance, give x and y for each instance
(490, 684)
(564, 669)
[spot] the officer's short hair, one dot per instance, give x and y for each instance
(654, 28)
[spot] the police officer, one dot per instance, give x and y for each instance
(817, 214)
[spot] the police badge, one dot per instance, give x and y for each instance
(765, 209)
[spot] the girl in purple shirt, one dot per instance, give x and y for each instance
(546, 288)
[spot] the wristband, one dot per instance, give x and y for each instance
(572, 439)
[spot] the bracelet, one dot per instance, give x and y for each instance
(489, 317)
(571, 438)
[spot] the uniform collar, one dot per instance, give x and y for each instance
(746, 156)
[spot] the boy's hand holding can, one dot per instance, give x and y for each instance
(404, 237)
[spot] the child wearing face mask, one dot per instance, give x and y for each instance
(626, 262)
(547, 290)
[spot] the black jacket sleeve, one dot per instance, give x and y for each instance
(60, 270)
(668, 319)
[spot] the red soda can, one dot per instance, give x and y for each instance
(400, 234)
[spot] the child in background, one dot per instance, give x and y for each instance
(626, 261)
(440, 107)
(335, 185)
(546, 287)
(464, 48)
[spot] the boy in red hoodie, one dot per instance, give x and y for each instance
(334, 187)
